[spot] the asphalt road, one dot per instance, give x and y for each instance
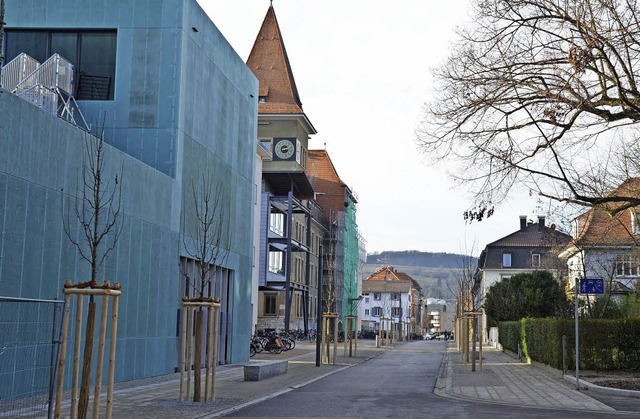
(396, 384)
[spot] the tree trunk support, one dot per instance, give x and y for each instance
(78, 291)
(189, 308)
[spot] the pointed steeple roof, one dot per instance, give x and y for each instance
(269, 62)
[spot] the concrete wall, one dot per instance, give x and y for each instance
(185, 105)
(40, 163)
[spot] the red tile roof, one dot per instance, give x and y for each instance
(597, 227)
(269, 62)
(325, 180)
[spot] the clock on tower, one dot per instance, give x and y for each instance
(284, 149)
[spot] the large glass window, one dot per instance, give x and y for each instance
(92, 53)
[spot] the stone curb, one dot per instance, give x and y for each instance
(604, 390)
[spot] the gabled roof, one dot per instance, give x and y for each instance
(321, 167)
(597, 228)
(386, 273)
(270, 64)
(389, 273)
(332, 192)
(534, 238)
(404, 277)
(533, 235)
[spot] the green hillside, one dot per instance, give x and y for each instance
(435, 282)
(435, 272)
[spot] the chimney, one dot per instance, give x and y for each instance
(541, 222)
(523, 222)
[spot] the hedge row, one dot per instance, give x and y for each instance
(605, 345)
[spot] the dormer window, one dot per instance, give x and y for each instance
(506, 260)
(535, 260)
(262, 99)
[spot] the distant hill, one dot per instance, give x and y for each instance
(416, 258)
(435, 272)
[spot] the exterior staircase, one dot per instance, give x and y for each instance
(48, 85)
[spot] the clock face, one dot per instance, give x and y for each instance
(284, 149)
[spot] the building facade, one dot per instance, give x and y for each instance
(290, 236)
(177, 106)
(389, 295)
(606, 247)
(535, 246)
(342, 244)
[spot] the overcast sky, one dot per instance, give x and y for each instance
(362, 68)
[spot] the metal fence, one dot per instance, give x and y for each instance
(29, 347)
(17, 70)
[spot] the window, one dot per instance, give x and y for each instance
(377, 296)
(506, 260)
(266, 143)
(376, 311)
(276, 224)
(270, 301)
(396, 311)
(275, 262)
(535, 260)
(92, 53)
(395, 296)
(366, 311)
(627, 265)
(366, 300)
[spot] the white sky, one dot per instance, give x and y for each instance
(362, 68)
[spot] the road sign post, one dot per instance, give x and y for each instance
(587, 286)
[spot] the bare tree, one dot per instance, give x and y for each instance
(329, 283)
(465, 290)
(97, 211)
(467, 282)
(541, 94)
(207, 243)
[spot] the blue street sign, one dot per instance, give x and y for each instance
(592, 286)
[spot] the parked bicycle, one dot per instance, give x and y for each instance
(274, 345)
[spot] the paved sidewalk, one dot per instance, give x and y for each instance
(503, 380)
(506, 380)
(157, 397)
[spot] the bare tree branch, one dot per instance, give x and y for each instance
(97, 206)
(535, 95)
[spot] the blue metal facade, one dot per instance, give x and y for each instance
(184, 104)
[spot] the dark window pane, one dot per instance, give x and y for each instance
(97, 65)
(65, 44)
(33, 43)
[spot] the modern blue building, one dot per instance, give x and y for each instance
(178, 105)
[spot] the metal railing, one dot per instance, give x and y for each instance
(55, 72)
(29, 348)
(16, 70)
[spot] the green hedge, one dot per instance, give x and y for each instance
(604, 344)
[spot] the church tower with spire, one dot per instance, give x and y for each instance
(291, 232)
